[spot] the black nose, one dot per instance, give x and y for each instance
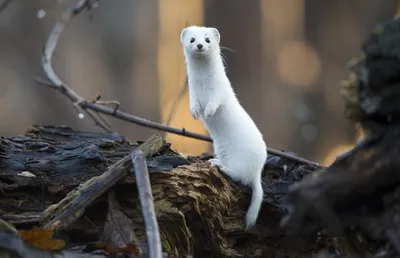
(199, 46)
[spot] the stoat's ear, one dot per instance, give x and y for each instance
(183, 34)
(216, 34)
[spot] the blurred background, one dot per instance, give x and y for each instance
(288, 59)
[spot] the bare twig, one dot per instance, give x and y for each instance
(99, 120)
(102, 118)
(4, 5)
(105, 121)
(108, 102)
(48, 53)
(146, 201)
(131, 118)
(92, 108)
(53, 40)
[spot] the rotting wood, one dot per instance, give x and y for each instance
(199, 211)
(62, 214)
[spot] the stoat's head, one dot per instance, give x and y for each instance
(200, 41)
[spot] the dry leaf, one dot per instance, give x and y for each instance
(41, 238)
(118, 229)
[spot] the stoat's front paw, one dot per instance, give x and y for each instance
(195, 111)
(210, 110)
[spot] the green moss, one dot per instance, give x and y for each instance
(107, 146)
(165, 245)
(164, 206)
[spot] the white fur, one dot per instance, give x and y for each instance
(238, 144)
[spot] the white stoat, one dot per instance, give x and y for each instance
(238, 144)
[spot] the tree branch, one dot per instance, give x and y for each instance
(51, 44)
(93, 108)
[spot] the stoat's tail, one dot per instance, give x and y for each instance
(255, 204)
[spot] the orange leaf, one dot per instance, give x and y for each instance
(41, 238)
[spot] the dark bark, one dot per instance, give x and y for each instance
(357, 196)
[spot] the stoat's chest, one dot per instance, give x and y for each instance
(204, 89)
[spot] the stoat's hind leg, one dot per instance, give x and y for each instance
(217, 163)
(226, 172)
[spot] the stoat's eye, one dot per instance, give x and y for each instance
(191, 40)
(207, 40)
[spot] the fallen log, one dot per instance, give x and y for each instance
(199, 211)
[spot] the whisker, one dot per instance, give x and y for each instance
(227, 48)
(223, 57)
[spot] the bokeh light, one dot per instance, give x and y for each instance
(298, 64)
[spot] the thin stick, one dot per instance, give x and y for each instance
(146, 201)
(57, 84)
(98, 120)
